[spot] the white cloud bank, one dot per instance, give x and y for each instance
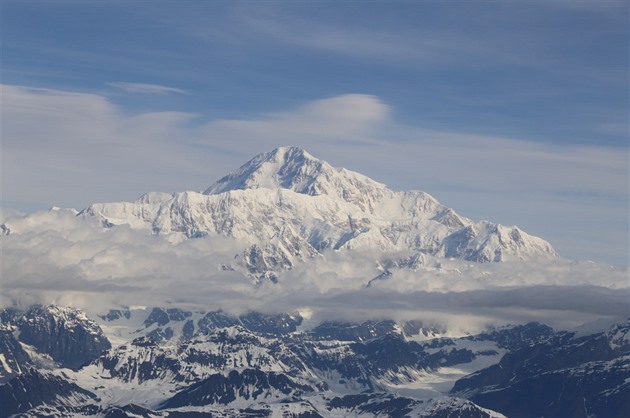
(73, 149)
(55, 257)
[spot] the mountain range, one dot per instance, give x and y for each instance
(169, 362)
(433, 345)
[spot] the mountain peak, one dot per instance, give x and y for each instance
(291, 152)
(283, 167)
(285, 155)
(295, 169)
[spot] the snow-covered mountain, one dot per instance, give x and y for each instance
(286, 206)
(172, 362)
(388, 310)
(62, 336)
(565, 375)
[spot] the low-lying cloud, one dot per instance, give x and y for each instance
(56, 257)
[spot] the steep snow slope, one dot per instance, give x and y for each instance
(294, 169)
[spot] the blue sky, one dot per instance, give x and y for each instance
(515, 111)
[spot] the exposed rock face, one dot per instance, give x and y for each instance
(563, 376)
(67, 335)
(458, 408)
(344, 331)
(12, 355)
(249, 384)
(259, 364)
(115, 314)
(401, 407)
(33, 388)
(517, 337)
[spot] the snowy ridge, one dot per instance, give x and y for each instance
(619, 335)
(589, 374)
(229, 365)
(229, 370)
(285, 207)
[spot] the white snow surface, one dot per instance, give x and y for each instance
(295, 206)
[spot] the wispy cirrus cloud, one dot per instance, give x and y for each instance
(145, 88)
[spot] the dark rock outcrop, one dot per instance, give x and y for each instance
(67, 335)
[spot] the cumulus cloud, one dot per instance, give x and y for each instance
(146, 88)
(52, 255)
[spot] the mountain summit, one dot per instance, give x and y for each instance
(295, 169)
(285, 167)
(286, 206)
